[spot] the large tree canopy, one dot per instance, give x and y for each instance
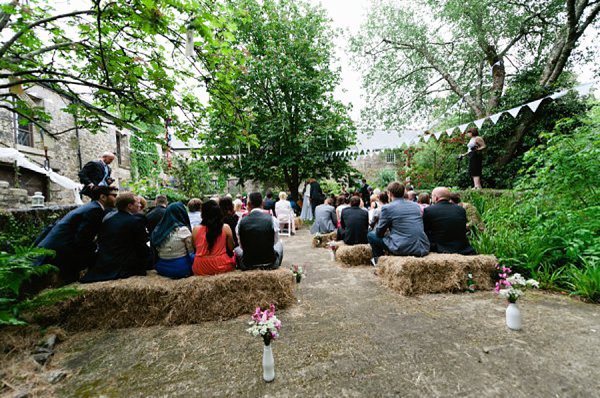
(286, 89)
(421, 58)
(117, 62)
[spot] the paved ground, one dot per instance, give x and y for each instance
(351, 337)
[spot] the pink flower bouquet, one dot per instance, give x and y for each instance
(265, 324)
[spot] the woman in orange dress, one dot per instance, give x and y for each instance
(213, 241)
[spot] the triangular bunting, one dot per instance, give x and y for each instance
(463, 127)
(426, 137)
(514, 111)
(559, 94)
(438, 135)
(494, 118)
(535, 105)
(479, 123)
(449, 131)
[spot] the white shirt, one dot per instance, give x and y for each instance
(177, 245)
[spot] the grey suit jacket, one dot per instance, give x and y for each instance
(405, 225)
(325, 219)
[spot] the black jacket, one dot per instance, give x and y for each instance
(122, 249)
(73, 238)
(446, 227)
(92, 173)
(355, 225)
(270, 205)
(316, 193)
(154, 217)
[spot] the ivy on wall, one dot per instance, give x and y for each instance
(145, 161)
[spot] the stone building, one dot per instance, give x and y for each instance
(60, 146)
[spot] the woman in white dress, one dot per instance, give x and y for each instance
(307, 213)
(284, 212)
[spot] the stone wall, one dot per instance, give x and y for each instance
(370, 165)
(13, 197)
(68, 151)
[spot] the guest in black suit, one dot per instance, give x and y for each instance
(446, 224)
(156, 214)
(122, 244)
(354, 225)
(96, 173)
(72, 238)
(229, 216)
(316, 194)
(365, 193)
(270, 203)
(258, 236)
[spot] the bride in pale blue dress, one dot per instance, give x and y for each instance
(307, 213)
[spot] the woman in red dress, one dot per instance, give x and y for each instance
(213, 241)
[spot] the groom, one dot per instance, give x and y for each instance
(316, 194)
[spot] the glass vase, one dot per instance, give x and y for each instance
(268, 363)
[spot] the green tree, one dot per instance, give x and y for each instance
(286, 89)
(421, 58)
(124, 55)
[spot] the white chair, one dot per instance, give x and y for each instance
(282, 226)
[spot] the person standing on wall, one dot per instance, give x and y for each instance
(475, 146)
(96, 173)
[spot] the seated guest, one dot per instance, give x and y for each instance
(269, 204)
(341, 203)
(403, 220)
(194, 213)
(258, 235)
(156, 214)
(445, 224)
(238, 207)
(423, 201)
(122, 245)
(355, 224)
(213, 240)
(229, 216)
(72, 238)
(383, 200)
(285, 214)
(325, 218)
(474, 219)
(172, 239)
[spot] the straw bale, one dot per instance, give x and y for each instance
(436, 273)
(325, 239)
(156, 300)
(355, 255)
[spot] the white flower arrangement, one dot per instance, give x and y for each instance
(514, 286)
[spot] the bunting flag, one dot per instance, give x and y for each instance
(479, 122)
(494, 118)
(535, 104)
(438, 135)
(449, 131)
(514, 111)
(463, 127)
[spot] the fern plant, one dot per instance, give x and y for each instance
(15, 270)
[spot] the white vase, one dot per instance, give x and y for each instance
(268, 364)
(332, 255)
(513, 317)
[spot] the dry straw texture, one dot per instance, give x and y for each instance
(324, 239)
(155, 300)
(356, 255)
(436, 273)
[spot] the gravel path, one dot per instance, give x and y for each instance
(352, 337)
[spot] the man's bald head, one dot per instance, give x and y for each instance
(440, 193)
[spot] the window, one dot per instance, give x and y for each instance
(390, 157)
(118, 148)
(24, 131)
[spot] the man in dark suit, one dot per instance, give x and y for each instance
(156, 214)
(365, 193)
(354, 224)
(72, 238)
(446, 224)
(316, 194)
(96, 173)
(122, 241)
(270, 203)
(258, 236)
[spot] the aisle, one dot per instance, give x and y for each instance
(350, 337)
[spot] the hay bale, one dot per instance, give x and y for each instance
(156, 300)
(436, 273)
(298, 222)
(355, 255)
(324, 239)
